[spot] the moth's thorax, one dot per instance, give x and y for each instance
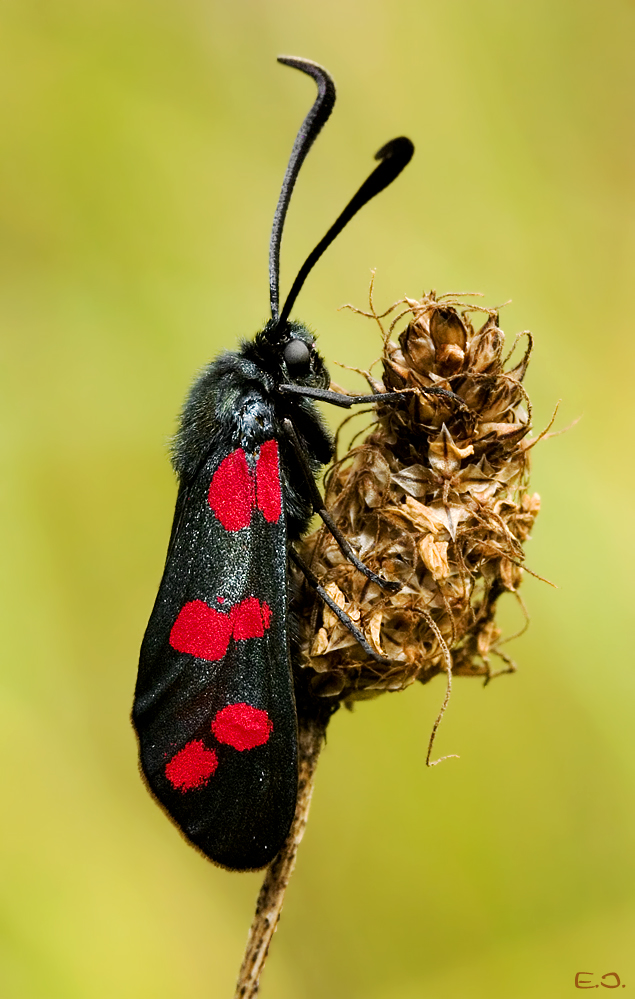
(236, 402)
(255, 420)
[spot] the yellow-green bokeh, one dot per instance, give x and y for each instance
(142, 144)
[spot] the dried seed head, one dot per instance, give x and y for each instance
(435, 498)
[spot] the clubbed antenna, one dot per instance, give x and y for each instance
(394, 156)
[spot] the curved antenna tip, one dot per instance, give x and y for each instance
(309, 130)
(288, 60)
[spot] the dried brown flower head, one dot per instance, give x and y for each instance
(436, 498)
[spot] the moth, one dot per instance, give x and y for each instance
(214, 707)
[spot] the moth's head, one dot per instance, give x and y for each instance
(290, 355)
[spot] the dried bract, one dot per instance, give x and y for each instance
(436, 498)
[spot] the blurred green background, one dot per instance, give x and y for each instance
(143, 143)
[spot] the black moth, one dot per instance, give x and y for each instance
(214, 705)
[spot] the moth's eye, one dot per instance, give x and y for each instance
(297, 358)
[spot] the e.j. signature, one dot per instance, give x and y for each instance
(611, 980)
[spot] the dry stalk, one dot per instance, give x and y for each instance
(271, 897)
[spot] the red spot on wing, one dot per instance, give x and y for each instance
(192, 766)
(266, 613)
(268, 482)
(242, 727)
(202, 631)
(231, 492)
(250, 618)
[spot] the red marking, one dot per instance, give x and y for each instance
(231, 492)
(250, 618)
(268, 482)
(241, 726)
(205, 632)
(234, 488)
(221, 600)
(266, 613)
(202, 631)
(192, 766)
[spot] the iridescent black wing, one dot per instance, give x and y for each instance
(214, 707)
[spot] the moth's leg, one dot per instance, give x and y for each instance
(313, 581)
(346, 401)
(320, 509)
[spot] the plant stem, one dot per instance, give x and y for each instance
(271, 897)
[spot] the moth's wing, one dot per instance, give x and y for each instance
(216, 725)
